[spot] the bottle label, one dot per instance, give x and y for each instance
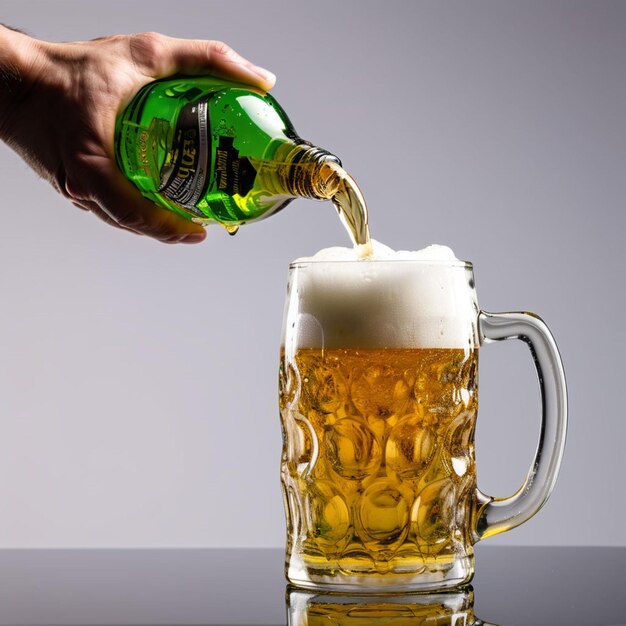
(233, 174)
(185, 179)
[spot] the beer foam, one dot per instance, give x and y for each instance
(380, 251)
(400, 299)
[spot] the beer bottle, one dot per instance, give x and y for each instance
(217, 151)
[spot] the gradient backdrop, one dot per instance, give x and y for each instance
(138, 381)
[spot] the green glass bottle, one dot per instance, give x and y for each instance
(216, 151)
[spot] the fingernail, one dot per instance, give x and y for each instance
(194, 238)
(266, 75)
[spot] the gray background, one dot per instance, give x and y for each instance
(138, 381)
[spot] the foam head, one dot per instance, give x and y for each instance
(422, 299)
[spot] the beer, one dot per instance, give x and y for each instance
(378, 467)
(350, 205)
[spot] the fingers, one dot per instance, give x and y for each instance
(220, 60)
(91, 207)
(164, 56)
(115, 200)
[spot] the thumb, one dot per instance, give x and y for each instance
(165, 56)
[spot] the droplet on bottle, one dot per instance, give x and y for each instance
(231, 229)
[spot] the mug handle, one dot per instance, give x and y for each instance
(497, 515)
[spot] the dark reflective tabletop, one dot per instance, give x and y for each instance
(512, 587)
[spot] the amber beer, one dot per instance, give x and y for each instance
(382, 466)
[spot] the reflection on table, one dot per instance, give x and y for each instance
(450, 608)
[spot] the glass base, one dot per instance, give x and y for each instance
(434, 575)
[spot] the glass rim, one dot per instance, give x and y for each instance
(424, 262)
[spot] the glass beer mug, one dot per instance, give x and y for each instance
(378, 403)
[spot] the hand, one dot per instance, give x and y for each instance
(59, 105)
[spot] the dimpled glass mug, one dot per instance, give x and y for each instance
(378, 403)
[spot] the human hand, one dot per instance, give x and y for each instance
(60, 101)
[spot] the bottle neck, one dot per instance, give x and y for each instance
(310, 172)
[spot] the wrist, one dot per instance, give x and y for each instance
(20, 64)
